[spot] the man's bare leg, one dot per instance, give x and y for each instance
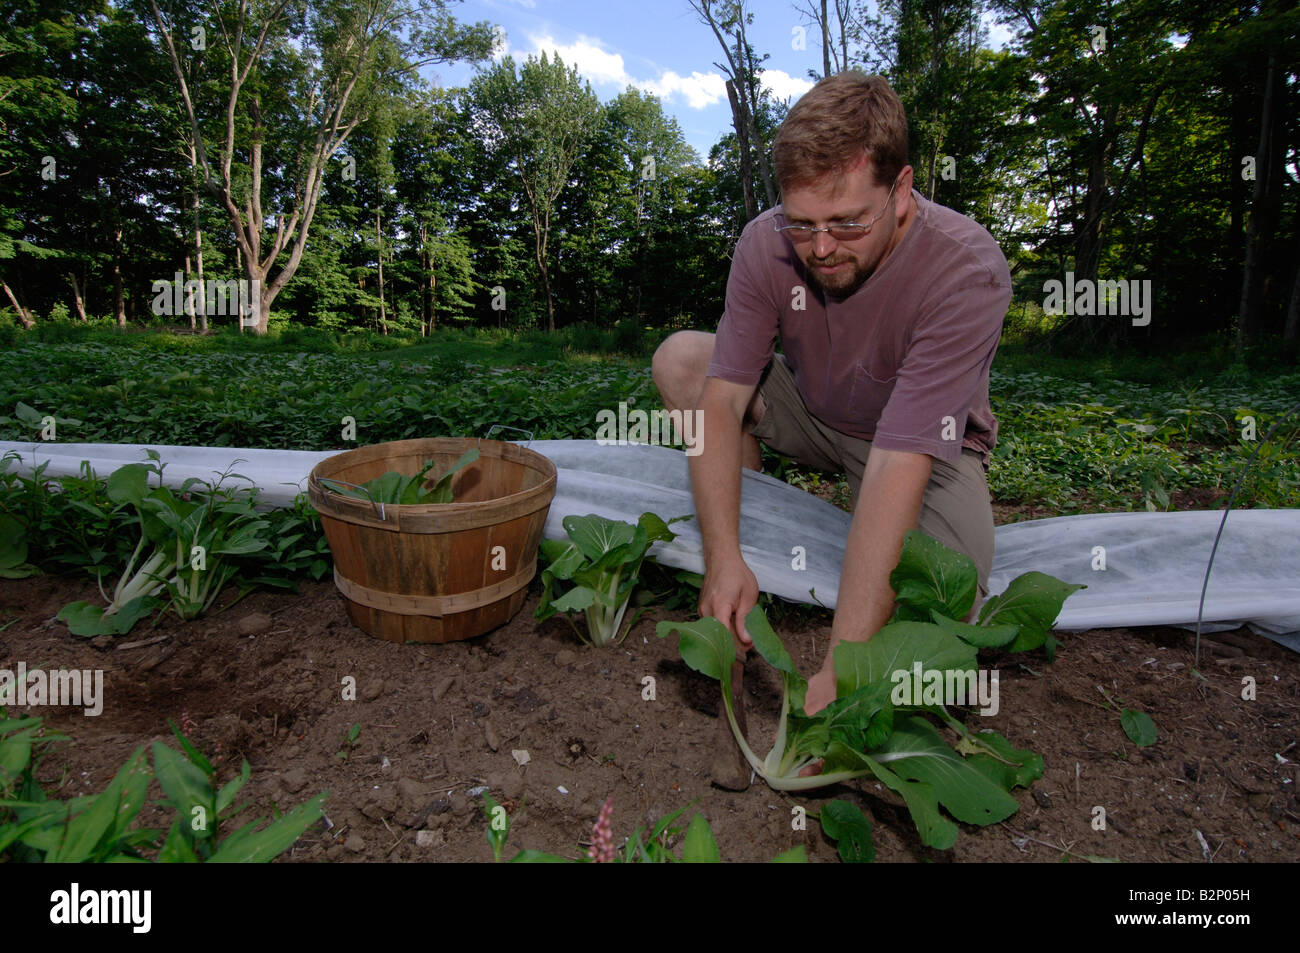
(679, 367)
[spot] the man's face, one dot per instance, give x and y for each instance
(851, 195)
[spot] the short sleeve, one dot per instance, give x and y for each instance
(945, 367)
(746, 336)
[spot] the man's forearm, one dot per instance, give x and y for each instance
(889, 504)
(715, 481)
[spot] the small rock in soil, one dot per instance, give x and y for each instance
(460, 804)
(372, 689)
(1043, 800)
(335, 852)
(565, 657)
(475, 664)
(490, 735)
(102, 642)
(429, 839)
(293, 780)
(443, 687)
(354, 843)
(254, 623)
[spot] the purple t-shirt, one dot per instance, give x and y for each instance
(904, 360)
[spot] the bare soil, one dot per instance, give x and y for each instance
(266, 681)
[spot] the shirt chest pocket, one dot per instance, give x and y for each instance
(869, 396)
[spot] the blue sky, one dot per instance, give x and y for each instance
(660, 46)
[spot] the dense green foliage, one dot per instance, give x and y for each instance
(1074, 435)
(1136, 140)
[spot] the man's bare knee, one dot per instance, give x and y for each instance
(679, 367)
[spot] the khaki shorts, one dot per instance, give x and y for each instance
(956, 509)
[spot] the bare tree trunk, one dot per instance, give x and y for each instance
(379, 246)
(826, 42)
(1258, 227)
(189, 294)
(119, 303)
(1291, 332)
(24, 315)
(76, 296)
(746, 160)
(198, 265)
(749, 102)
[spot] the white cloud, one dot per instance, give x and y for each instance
(785, 86)
(593, 63)
(603, 68)
(699, 89)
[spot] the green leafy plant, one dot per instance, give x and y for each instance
(845, 824)
(186, 539)
(102, 827)
(600, 562)
(868, 729)
(350, 741)
(498, 826)
(397, 488)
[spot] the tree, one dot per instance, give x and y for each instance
(301, 75)
(728, 20)
(539, 122)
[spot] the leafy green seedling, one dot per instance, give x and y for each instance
(601, 559)
(498, 826)
(350, 741)
(396, 488)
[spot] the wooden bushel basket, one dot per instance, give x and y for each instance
(425, 573)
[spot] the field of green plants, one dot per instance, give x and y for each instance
(1074, 437)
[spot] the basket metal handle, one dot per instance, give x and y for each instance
(377, 507)
(495, 427)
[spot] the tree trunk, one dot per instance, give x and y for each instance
(1259, 228)
(379, 246)
(24, 315)
(826, 42)
(746, 160)
(189, 294)
(119, 303)
(1291, 330)
(198, 265)
(76, 296)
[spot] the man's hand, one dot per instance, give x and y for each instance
(821, 689)
(730, 590)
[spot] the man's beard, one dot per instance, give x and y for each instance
(842, 283)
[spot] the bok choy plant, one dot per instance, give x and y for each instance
(873, 729)
(186, 541)
(600, 559)
(393, 487)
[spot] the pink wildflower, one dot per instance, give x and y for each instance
(602, 835)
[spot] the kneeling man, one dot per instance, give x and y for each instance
(889, 309)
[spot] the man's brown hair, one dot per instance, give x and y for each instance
(831, 125)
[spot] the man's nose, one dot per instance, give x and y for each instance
(823, 244)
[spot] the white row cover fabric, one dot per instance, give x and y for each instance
(1154, 563)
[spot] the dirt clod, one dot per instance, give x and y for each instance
(255, 623)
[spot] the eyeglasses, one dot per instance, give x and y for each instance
(848, 232)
